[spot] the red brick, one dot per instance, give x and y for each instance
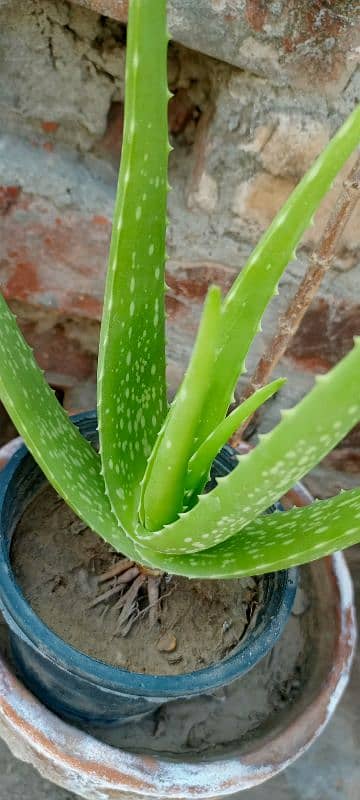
(63, 357)
(8, 196)
(191, 280)
(181, 111)
(59, 263)
(49, 127)
(345, 459)
(256, 14)
(110, 144)
(23, 281)
(51, 261)
(326, 334)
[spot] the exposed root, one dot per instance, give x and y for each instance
(104, 612)
(129, 605)
(101, 598)
(153, 590)
(126, 628)
(126, 577)
(118, 568)
(139, 593)
(154, 573)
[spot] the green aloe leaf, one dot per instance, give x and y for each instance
(257, 283)
(200, 462)
(223, 534)
(131, 374)
(69, 462)
(304, 436)
(273, 542)
(164, 485)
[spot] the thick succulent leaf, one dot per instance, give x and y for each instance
(163, 485)
(69, 462)
(257, 282)
(273, 542)
(200, 463)
(304, 436)
(131, 375)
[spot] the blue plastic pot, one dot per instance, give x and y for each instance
(82, 689)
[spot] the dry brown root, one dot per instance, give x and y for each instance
(125, 578)
(119, 567)
(130, 608)
(128, 580)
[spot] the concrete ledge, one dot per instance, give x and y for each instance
(304, 44)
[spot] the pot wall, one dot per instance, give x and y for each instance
(80, 764)
(89, 692)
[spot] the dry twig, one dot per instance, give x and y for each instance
(320, 262)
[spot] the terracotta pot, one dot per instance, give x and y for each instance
(92, 769)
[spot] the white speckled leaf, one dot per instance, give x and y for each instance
(131, 375)
(223, 535)
(163, 485)
(69, 462)
(273, 542)
(257, 282)
(200, 463)
(304, 436)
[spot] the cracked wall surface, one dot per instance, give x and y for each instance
(249, 114)
(61, 62)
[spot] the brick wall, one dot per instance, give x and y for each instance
(251, 110)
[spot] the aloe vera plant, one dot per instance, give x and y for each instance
(144, 491)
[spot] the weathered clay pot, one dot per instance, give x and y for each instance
(93, 769)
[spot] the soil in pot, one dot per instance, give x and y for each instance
(57, 562)
(256, 707)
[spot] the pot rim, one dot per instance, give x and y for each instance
(280, 587)
(92, 768)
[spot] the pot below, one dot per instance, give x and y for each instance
(82, 689)
(94, 770)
